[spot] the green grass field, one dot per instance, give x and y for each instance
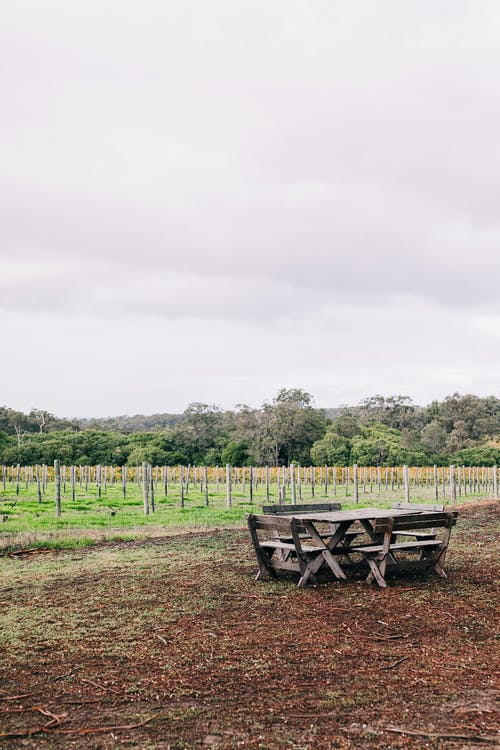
(24, 521)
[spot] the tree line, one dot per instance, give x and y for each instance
(381, 430)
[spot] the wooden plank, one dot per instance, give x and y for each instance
(299, 508)
(419, 506)
(401, 546)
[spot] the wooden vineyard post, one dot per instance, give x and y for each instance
(251, 480)
(229, 499)
(98, 479)
(326, 481)
(18, 478)
(167, 479)
(151, 482)
(453, 490)
(356, 484)
(406, 480)
(436, 484)
(282, 493)
(57, 479)
(205, 480)
(181, 487)
(38, 483)
(267, 483)
(293, 484)
(145, 489)
(124, 481)
(495, 482)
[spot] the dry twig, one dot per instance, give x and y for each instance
(95, 730)
(395, 663)
(101, 687)
(439, 736)
(55, 721)
(14, 697)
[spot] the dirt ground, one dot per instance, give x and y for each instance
(170, 643)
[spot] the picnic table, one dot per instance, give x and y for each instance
(382, 526)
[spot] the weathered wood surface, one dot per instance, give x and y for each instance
(300, 508)
(298, 556)
(298, 542)
(431, 552)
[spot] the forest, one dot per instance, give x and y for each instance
(379, 431)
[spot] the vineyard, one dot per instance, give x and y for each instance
(58, 502)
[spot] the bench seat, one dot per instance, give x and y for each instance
(280, 544)
(399, 546)
(283, 549)
(431, 551)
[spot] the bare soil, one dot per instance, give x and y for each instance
(170, 643)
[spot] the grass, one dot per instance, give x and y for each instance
(25, 521)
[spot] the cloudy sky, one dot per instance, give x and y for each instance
(209, 200)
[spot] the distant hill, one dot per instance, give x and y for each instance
(129, 424)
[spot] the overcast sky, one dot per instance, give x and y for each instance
(210, 200)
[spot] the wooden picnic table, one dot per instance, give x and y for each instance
(300, 542)
(339, 542)
(344, 519)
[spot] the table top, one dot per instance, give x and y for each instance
(357, 514)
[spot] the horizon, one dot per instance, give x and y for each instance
(314, 404)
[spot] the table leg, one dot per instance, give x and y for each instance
(326, 556)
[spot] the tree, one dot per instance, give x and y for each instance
(235, 453)
(346, 424)
(39, 417)
(331, 450)
(487, 454)
(433, 437)
(200, 430)
(379, 445)
(289, 427)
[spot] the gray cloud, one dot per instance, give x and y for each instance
(321, 167)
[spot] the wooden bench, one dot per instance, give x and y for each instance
(274, 552)
(431, 553)
(431, 534)
(300, 508)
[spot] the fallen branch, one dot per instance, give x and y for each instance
(101, 687)
(395, 664)
(439, 736)
(95, 730)
(160, 638)
(14, 697)
(55, 721)
(30, 551)
(382, 636)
